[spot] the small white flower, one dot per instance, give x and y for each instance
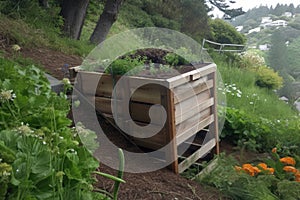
(251, 102)
(239, 95)
(7, 95)
(44, 143)
(16, 47)
(66, 81)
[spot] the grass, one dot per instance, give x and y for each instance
(16, 31)
(253, 99)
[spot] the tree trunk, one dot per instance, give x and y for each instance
(73, 13)
(44, 3)
(106, 20)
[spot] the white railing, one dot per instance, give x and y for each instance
(222, 46)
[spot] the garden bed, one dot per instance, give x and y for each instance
(188, 98)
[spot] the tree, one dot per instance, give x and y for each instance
(106, 20)
(194, 18)
(223, 32)
(73, 13)
(278, 52)
(223, 6)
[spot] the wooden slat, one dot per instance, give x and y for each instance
(191, 103)
(198, 73)
(190, 76)
(187, 91)
(190, 122)
(197, 155)
(215, 126)
(155, 142)
(171, 154)
(183, 136)
(191, 92)
(150, 93)
(184, 113)
(138, 111)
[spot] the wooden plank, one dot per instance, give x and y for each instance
(183, 136)
(190, 122)
(187, 93)
(138, 111)
(191, 75)
(215, 126)
(196, 155)
(184, 112)
(150, 93)
(171, 154)
(205, 71)
(155, 142)
(182, 88)
(86, 84)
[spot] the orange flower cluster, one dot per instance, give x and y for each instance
(289, 167)
(253, 170)
(264, 166)
(291, 161)
(288, 161)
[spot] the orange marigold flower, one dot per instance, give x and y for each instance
(297, 176)
(290, 169)
(274, 150)
(288, 161)
(271, 170)
(251, 170)
(256, 170)
(263, 166)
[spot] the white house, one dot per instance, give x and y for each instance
(239, 28)
(276, 23)
(265, 20)
(287, 14)
(257, 29)
(264, 47)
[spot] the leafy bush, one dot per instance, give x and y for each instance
(223, 32)
(260, 134)
(41, 157)
(243, 130)
(251, 60)
(267, 77)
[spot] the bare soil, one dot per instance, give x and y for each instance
(161, 184)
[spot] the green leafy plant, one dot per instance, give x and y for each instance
(267, 77)
(125, 65)
(41, 156)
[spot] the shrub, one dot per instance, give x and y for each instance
(223, 32)
(251, 60)
(41, 157)
(267, 77)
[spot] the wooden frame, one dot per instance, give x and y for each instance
(189, 99)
